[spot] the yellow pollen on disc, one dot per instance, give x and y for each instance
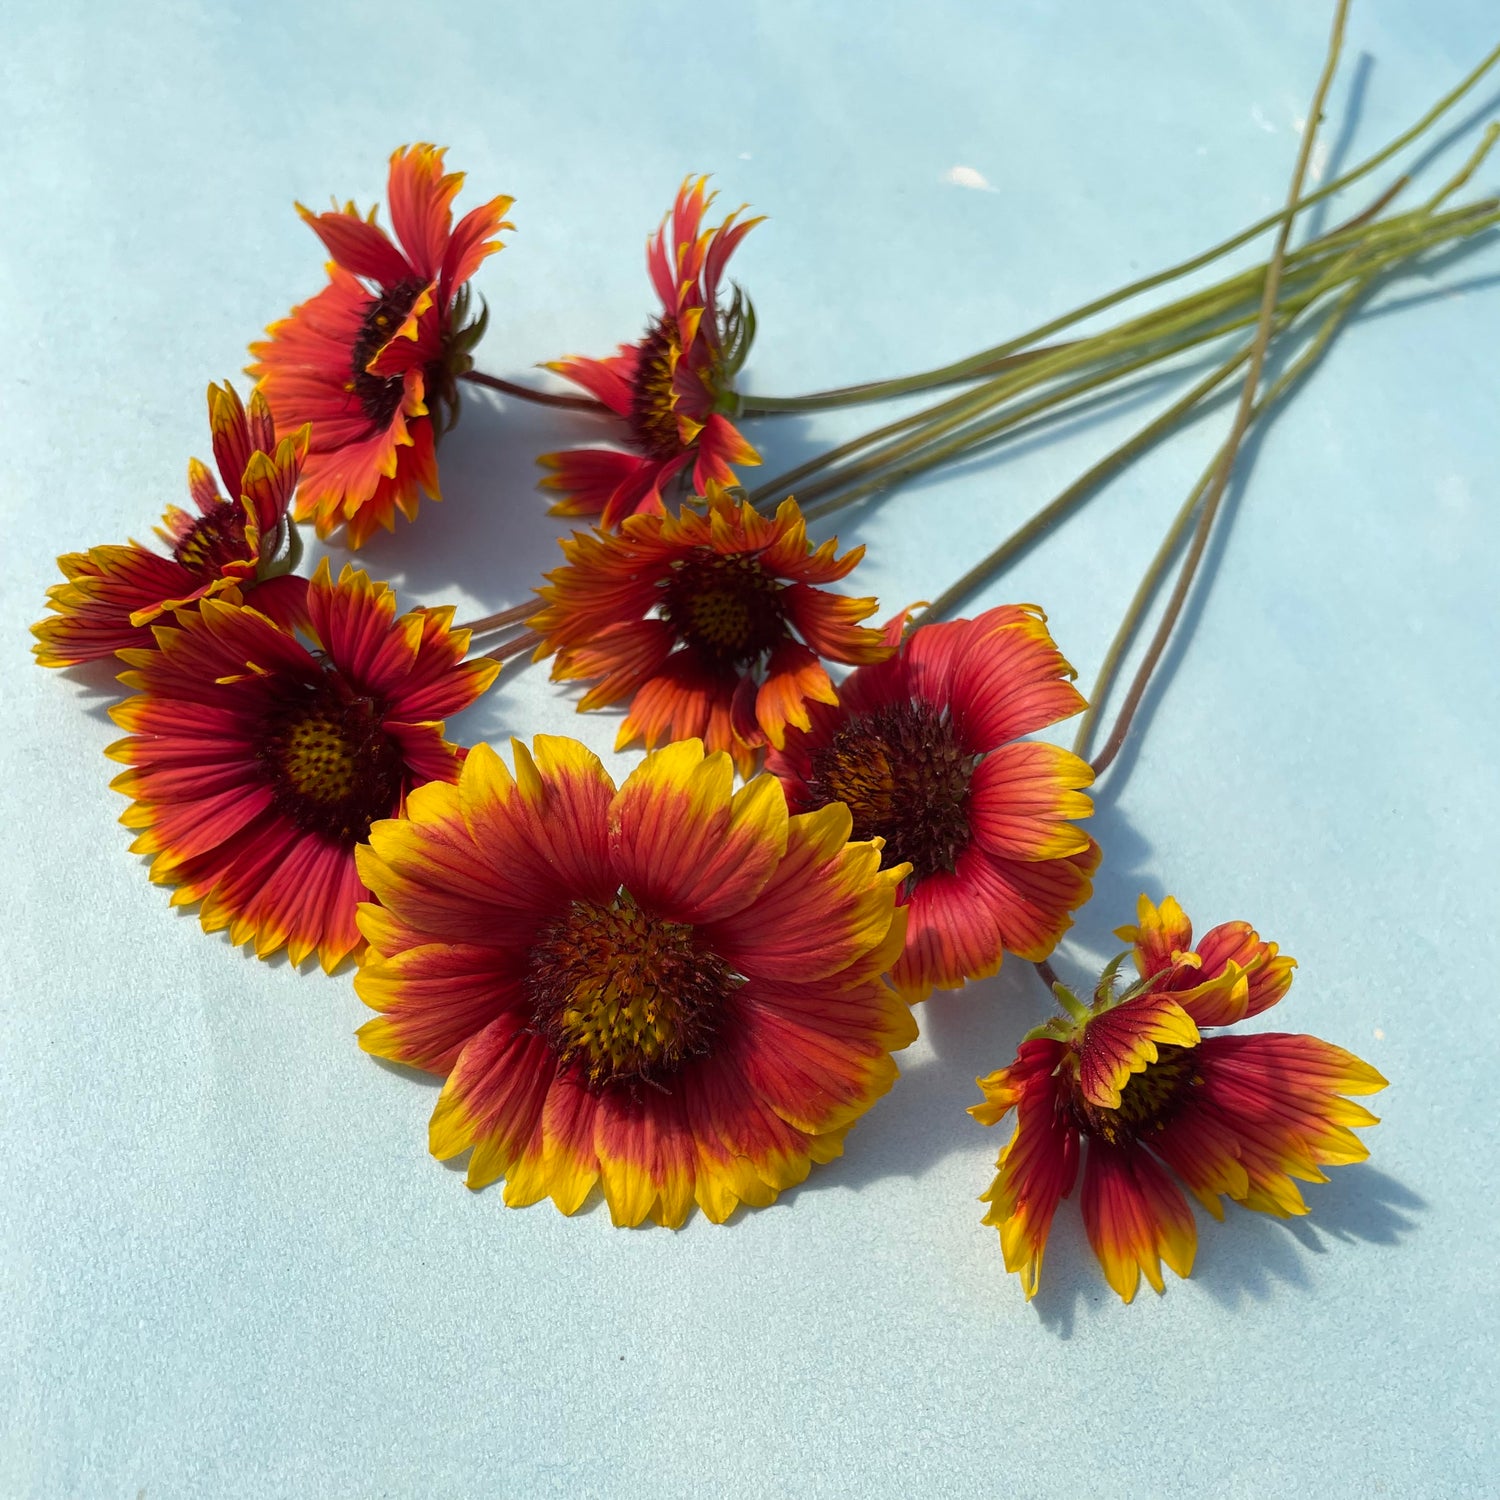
(318, 761)
(622, 994)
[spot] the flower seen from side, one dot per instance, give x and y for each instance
(924, 749)
(232, 547)
(673, 387)
(711, 625)
(373, 360)
(257, 762)
(672, 990)
(1134, 1085)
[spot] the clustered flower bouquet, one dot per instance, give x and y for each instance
(682, 990)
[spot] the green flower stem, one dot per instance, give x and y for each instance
(985, 361)
(1468, 223)
(884, 390)
(1224, 465)
(1151, 580)
(887, 468)
(1202, 307)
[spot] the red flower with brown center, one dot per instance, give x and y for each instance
(373, 360)
(259, 762)
(672, 387)
(925, 751)
(692, 618)
(230, 548)
(1134, 1077)
(671, 989)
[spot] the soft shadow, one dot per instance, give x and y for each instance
(975, 1030)
(484, 537)
(411, 1075)
(922, 1120)
(1478, 115)
(1338, 152)
(98, 690)
(1246, 1257)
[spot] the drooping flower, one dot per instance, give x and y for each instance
(692, 618)
(671, 989)
(112, 594)
(1134, 1078)
(673, 387)
(373, 360)
(925, 750)
(258, 763)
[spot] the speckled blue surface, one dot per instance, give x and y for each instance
(229, 1267)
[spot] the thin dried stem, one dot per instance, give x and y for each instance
(1215, 493)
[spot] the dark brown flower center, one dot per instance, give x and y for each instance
(653, 420)
(726, 608)
(905, 779)
(217, 538)
(1147, 1102)
(380, 395)
(332, 767)
(623, 995)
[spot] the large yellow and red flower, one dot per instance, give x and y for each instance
(672, 387)
(373, 360)
(924, 748)
(672, 989)
(258, 763)
(692, 618)
(112, 594)
(1134, 1077)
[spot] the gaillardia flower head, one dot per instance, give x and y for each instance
(1134, 1077)
(373, 360)
(232, 546)
(257, 763)
(691, 617)
(672, 989)
(925, 751)
(673, 387)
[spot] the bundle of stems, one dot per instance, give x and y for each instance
(1023, 382)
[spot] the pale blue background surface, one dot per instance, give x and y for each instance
(230, 1268)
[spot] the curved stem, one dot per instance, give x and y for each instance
(983, 362)
(1022, 538)
(1151, 580)
(1443, 228)
(1283, 219)
(538, 398)
(1224, 465)
(1055, 360)
(891, 468)
(752, 405)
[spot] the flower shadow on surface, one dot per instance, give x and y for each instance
(97, 690)
(1247, 1257)
(922, 1120)
(491, 536)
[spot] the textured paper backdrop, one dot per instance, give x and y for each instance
(229, 1266)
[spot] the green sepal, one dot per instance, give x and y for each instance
(736, 333)
(285, 553)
